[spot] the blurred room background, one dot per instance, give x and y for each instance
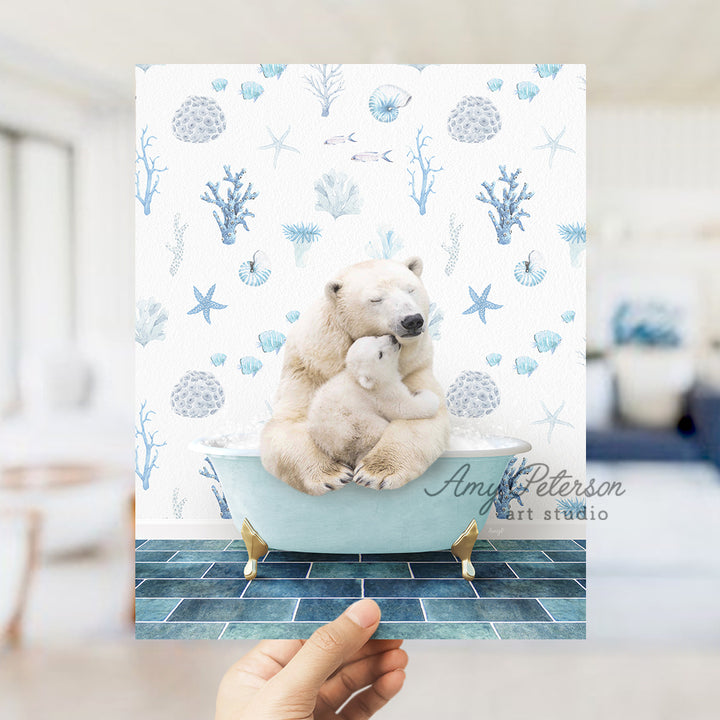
(66, 326)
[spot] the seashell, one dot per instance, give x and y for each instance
(495, 84)
(530, 272)
(220, 84)
(474, 120)
(292, 316)
(493, 359)
(568, 316)
(256, 271)
(218, 359)
(250, 365)
(386, 101)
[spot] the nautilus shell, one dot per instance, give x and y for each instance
(531, 272)
(255, 271)
(386, 101)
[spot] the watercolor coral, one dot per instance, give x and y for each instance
(508, 209)
(151, 170)
(452, 248)
(302, 236)
(178, 248)
(233, 207)
(326, 83)
(149, 447)
(150, 320)
(427, 171)
(337, 194)
(510, 488)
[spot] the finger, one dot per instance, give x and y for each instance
(358, 675)
(374, 647)
(328, 648)
(267, 658)
(368, 702)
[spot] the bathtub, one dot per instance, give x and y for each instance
(443, 509)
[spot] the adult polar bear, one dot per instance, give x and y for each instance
(377, 297)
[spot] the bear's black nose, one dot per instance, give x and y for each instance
(412, 323)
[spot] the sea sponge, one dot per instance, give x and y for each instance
(473, 394)
(197, 394)
(474, 120)
(198, 120)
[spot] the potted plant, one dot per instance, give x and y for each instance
(653, 365)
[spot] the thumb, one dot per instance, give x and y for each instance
(328, 648)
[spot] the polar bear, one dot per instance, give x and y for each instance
(350, 412)
(375, 297)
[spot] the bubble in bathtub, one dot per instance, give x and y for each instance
(473, 394)
(197, 394)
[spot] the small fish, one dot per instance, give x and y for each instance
(292, 316)
(251, 90)
(547, 340)
(525, 365)
(271, 340)
(372, 156)
(547, 70)
(250, 365)
(272, 70)
(339, 139)
(527, 90)
(568, 316)
(495, 84)
(219, 84)
(218, 359)
(493, 359)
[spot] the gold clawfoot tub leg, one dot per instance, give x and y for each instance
(462, 549)
(256, 548)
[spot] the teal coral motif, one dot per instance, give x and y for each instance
(337, 194)
(148, 445)
(480, 304)
(575, 236)
(150, 320)
(572, 508)
(510, 489)
(205, 304)
(388, 244)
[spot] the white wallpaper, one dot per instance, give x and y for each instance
(531, 327)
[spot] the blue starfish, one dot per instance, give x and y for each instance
(481, 304)
(551, 419)
(553, 144)
(278, 145)
(205, 304)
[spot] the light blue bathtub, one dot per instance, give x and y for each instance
(442, 509)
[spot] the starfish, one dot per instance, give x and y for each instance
(551, 419)
(278, 145)
(205, 304)
(553, 144)
(481, 304)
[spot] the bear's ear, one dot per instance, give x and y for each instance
(367, 382)
(415, 264)
(332, 289)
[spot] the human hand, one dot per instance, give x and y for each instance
(311, 680)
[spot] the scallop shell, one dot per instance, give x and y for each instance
(386, 101)
(256, 271)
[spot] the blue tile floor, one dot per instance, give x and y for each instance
(195, 589)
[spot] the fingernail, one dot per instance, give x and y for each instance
(364, 612)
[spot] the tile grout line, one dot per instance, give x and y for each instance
(362, 587)
(492, 625)
(297, 605)
(547, 556)
(227, 546)
(422, 607)
(140, 583)
(173, 610)
(489, 542)
(227, 624)
(515, 574)
(580, 546)
(207, 571)
(307, 577)
(477, 594)
(412, 574)
(137, 547)
(552, 617)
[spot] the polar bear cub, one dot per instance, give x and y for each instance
(350, 411)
